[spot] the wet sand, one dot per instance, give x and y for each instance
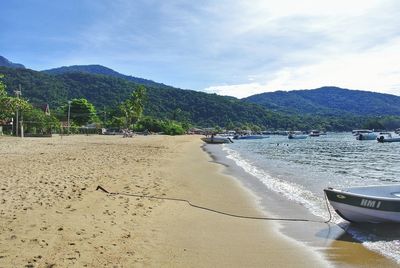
(52, 216)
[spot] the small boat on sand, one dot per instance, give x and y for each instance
(217, 140)
(368, 204)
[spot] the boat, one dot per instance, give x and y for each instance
(297, 135)
(250, 137)
(364, 134)
(314, 133)
(217, 140)
(367, 204)
(387, 137)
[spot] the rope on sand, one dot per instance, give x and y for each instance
(217, 211)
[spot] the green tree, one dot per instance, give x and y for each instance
(373, 124)
(81, 112)
(3, 92)
(173, 128)
(37, 122)
(133, 107)
(9, 105)
(176, 114)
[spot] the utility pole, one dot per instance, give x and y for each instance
(22, 117)
(69, 112)
(17, 93)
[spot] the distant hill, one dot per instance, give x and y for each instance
(6, 63)
(329, 101)
(99, 69)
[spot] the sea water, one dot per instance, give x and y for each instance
(299, 170)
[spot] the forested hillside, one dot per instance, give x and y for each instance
(331, 101)
(99, 69)
(330, 109)
(6, 63)
(108, 92)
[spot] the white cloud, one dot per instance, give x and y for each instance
(377, 69)
(352, 44)
(239, 91)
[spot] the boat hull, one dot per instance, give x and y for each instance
(297, 137)
(383, 139)
(362, 208)
(366, 136)
(216, 140)
(250, 137)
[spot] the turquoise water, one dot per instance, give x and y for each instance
(299, 170)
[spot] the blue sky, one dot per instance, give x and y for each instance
(235, 47)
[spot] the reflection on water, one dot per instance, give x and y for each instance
(300, 169)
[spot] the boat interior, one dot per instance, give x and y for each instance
(387, 191)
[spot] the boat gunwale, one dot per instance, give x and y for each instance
(391, 199)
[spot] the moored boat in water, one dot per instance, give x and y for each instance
(387, 137)
(314, 133)
(367, 204)
(364, 134)
(250, 137)
(297, 135)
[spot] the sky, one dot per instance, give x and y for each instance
(236, 48)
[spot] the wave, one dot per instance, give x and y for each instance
(291, 191)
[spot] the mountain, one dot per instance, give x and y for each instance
(6, 63)
(165, 102)
(329, 101)
(99, 69)
(329, 108)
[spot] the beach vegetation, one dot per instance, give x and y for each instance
(38, 122)
(81, 111)
(171, 127)
(132, 107)
(8, 104)
(373, 124)
(168, 127)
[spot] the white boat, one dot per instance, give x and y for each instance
(387, 137)
(250, 137)
(217, 140)
(297, 135)
(368, 204)
(364, 134)
(314, 133)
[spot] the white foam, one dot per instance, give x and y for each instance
(291, 191)
(389, 249)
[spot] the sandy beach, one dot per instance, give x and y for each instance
(52, 216)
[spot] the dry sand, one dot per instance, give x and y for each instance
(52, 216)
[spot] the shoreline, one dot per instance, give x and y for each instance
(330, 240)
(218, 240)
(52, 215)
